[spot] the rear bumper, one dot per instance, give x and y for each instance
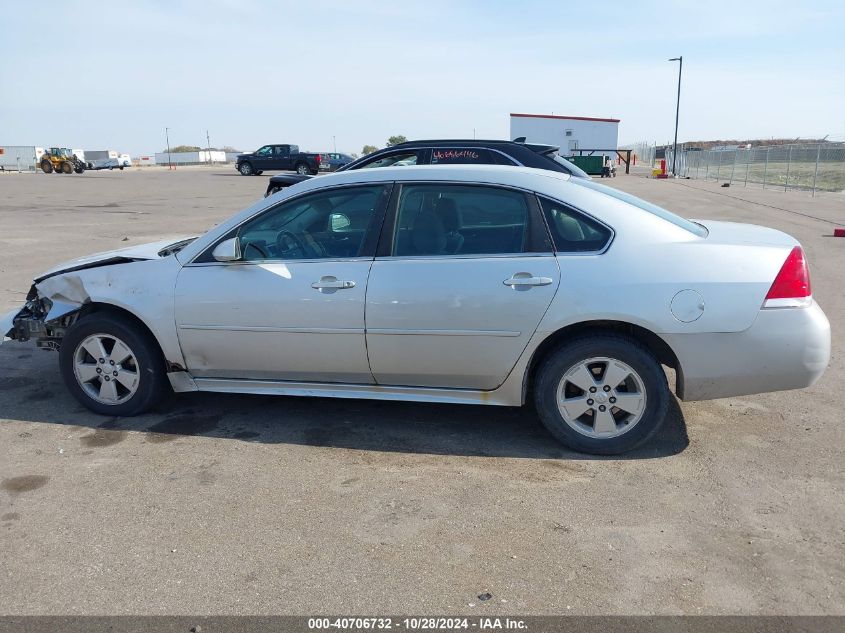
(786, 348)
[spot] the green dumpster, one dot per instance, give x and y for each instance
(590, 164)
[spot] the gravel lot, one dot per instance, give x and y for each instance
(256, 505)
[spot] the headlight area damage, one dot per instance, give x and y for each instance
(59, 297)
(53, 304)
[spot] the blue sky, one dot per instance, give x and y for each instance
(253, 72)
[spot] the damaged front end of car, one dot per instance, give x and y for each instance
(44, 320)
(59, 297)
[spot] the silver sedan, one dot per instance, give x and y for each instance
(463, 284)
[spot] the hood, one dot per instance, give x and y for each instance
(738, 233)
(152, 250)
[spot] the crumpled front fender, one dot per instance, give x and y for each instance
(6, 322)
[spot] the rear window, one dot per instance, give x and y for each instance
(572, 168)
(692, 227)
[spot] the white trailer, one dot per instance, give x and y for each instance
(22, 158)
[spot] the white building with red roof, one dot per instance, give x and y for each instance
(570, 133)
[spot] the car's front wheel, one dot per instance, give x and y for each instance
(602, 394)
(245, 169)
(112, 366)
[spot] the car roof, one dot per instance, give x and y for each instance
(471, 142)
(522, 177)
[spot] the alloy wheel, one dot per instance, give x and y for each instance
(106, 369)
(601, 397)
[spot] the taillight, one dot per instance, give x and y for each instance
(791, 287)
(319, 159)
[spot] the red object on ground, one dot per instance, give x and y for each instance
(634, 156)
(663, 165)
(838, 232)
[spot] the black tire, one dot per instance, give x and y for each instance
(302, 169)
(79, 170)
(258, 173)
(612, 346)
(46, 166)
(245, 169)
(152, 385)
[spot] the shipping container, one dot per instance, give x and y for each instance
(23, 158)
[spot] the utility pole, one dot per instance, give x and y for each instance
(677, 112)
(208, 147)
(167, 136)
(334, 144)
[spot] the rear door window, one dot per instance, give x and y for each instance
(437, 220)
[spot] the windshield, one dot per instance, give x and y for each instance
(692, 227)
(570, 167)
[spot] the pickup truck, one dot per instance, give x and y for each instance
(278, 157)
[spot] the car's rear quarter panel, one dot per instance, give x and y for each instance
(734, 347)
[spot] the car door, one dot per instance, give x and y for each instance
(463, 277)
(281, 157)
(262, 158)
(292, 307)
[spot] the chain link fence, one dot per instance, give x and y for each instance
(805, 167)
(645, 152)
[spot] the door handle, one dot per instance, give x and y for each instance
(332, 283)
(527, 279)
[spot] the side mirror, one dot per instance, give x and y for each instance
(227, 250)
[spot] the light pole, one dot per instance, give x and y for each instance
(334, 144)
(167, 136)
(680, 61)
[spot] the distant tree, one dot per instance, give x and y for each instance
(368, 149)
(180, 149)
(395, 140)
(354, 155)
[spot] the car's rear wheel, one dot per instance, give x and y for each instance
(112, 366)
(245, 169)
(302, 169)
(603, 394)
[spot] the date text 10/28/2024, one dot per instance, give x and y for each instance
(417, 624)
